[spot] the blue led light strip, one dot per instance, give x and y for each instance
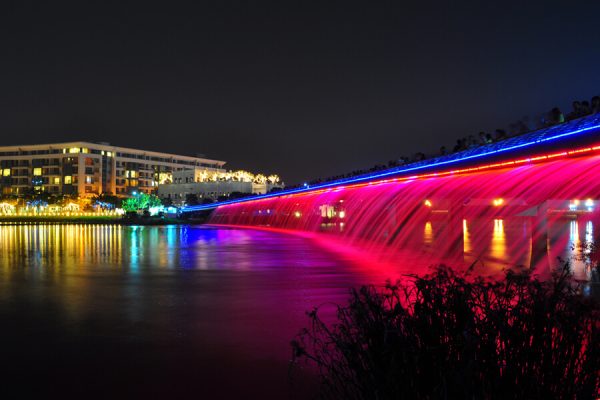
(395, 171)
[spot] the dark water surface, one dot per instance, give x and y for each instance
(104, 311)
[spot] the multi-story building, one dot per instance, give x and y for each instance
(86, 168)
(215, 184)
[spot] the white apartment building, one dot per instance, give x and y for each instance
(88, 169)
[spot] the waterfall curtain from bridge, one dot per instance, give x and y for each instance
(388, 219)
(500, 204)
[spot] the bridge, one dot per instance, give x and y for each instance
(538, 178)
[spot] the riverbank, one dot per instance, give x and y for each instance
(87, 219)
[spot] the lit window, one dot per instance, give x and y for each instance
(84, 150)
(68, 180)
(37, 171)
(88, 179)
(74, 150)
(6, 172)
(57, 181)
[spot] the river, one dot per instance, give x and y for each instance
(104, 310)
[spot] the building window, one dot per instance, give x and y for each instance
(68, 180)
(37, 171)
(57, 181)
(6, 172)
(88, 179)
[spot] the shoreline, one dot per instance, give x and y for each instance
(94, 220)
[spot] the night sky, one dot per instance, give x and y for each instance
(303, 89)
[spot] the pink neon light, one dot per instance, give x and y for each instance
(383, 218)
(531, 160)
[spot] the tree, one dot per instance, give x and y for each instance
(130, 204)
(106, 201)
(143, 201)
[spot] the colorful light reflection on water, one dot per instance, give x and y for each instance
(166, 310)
(195, 307)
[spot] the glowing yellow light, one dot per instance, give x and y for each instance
(498, 202)
(498, 247)
(37, 171)
(297, 214)
(165, 177)
(428, 233)
(428, 203)
(576, 202)
(342, 214)
(6, 172)
(71, 207)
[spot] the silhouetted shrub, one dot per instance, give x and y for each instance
(445, 336)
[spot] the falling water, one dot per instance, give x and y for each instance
(494, 219)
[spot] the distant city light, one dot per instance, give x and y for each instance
(428, 203)
(297, 214)
(342, 214)
(498, 202)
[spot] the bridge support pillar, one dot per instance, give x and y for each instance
(451, 242)
(539, 240)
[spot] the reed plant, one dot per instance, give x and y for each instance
(451, 336)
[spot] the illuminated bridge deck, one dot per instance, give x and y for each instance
(569, 139)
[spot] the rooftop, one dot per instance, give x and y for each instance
(106, 147)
